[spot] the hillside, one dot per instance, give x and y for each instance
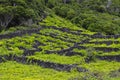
(40, 41)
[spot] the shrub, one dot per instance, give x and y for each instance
(61, 11)
(70, 14)
(90, 55)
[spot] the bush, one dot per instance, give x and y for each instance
(105, 27)
(51, 3)
(70, 14)
(90, 55)
(61, 11)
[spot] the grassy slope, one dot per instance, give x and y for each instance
(15, 71)
(55, 40)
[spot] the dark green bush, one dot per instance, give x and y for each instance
(70, 14)
(61, 11)
(17, 12)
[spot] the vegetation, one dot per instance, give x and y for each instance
(59, 40)
(19, 12)
(100, 16)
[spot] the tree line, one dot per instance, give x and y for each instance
(94, 15)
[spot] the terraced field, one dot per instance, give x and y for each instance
(51, 52)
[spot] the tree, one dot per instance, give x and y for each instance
(6, 16)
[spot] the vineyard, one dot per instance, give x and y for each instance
(59, 50)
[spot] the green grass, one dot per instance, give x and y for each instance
(57, 21)
(105, 39)
(57, 58)
(15, 71)
(101, 53)
(102, 45)
(102, 66)
(63, 35)
(12, 49)
(11, 46)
